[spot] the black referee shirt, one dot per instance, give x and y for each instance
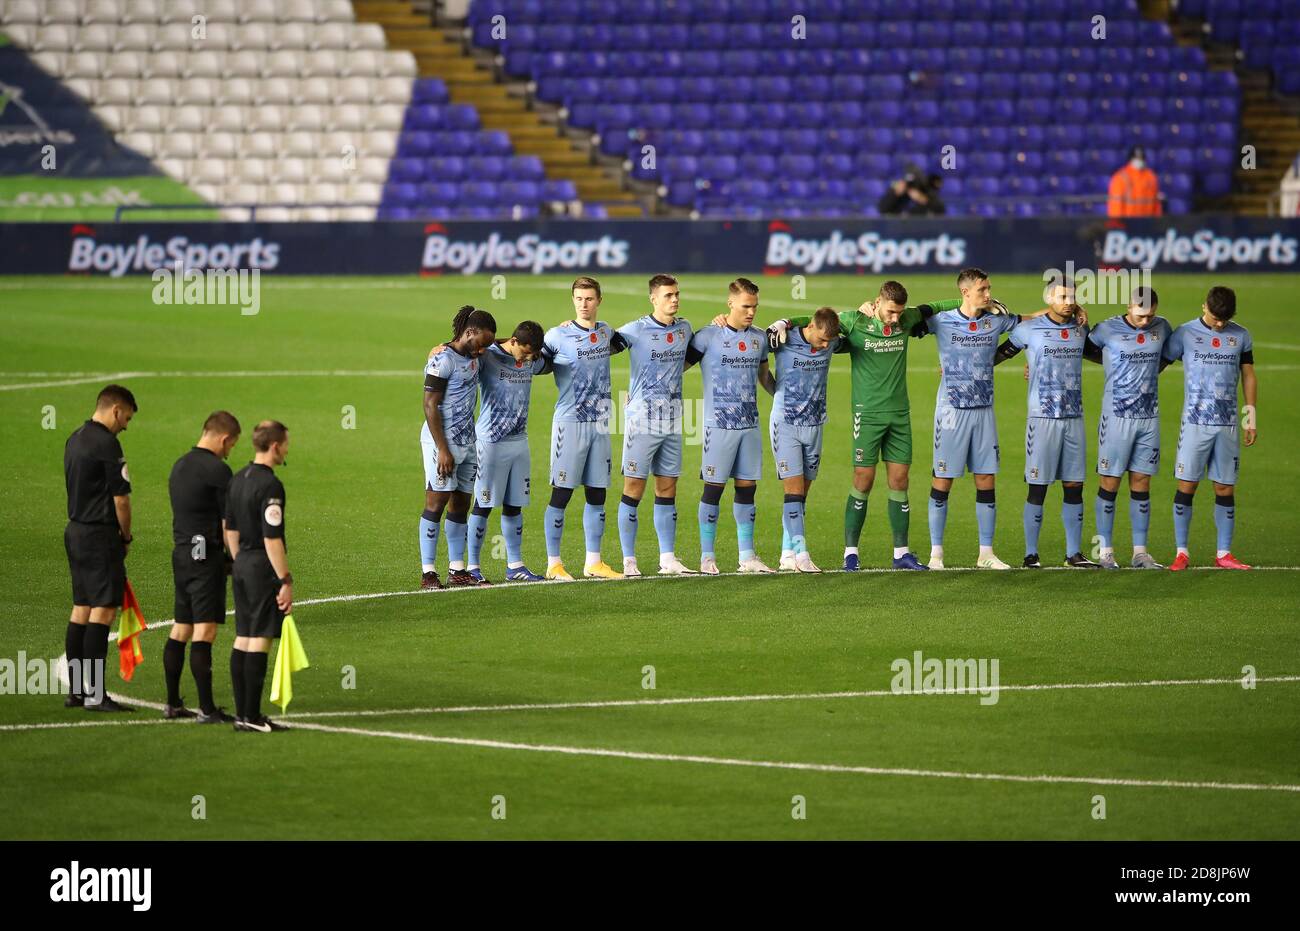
(95, 472)
(198, 491)
(255, 506)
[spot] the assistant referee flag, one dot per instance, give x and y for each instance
(129, 627)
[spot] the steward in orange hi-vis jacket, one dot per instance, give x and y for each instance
(1134, 191)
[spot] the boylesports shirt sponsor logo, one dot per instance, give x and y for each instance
(972, 339)
(1062, 350)
(1219, 358)
(529, 251)
(145, 255)
(667, 355)
(815, 364)
(868, 250)
(1149, 355)
(1202, 248)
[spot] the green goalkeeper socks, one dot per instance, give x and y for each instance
(855, 515)
(899, 516)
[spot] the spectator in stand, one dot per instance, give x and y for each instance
(914, 194)
(1134, 190)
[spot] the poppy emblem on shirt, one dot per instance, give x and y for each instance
(670, 337)
(741, 346)
(518, 364)
(1142, 338)
(1215, 342)
(973, 326)
(1065, 334)
(594, 337)
(889, 330)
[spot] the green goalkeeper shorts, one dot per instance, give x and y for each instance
(881, 436)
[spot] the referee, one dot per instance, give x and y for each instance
(262, 584)
(197, 487)
(96, 539)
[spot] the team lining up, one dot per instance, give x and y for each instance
(476, 464)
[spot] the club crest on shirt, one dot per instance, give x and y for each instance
(710, 471)
(1033, 472)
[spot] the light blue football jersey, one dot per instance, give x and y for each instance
(581, 360)
(966, 350)
(1131, 357)
(506, 386)
(457, 407)
(729, 364)
(657, 354)
(1211, 368)
(1055, 353)
(801, 373)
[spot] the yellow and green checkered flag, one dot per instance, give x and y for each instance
(289, 658)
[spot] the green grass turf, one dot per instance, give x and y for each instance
(354, 497)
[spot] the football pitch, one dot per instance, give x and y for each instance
(731, 707)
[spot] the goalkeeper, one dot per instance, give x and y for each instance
(877, 335)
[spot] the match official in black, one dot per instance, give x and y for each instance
(262, 584)
(97, 538)
(197, 486)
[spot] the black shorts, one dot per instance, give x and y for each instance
(97, 559)
(200, 586)
(255, 586)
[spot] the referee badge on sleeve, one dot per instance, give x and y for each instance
(274, 515)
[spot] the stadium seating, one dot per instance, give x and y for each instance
(745, 118)
(1268, 32)
(289, 103)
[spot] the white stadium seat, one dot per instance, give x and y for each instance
(265, 119)
(148, 119)
(82, 65)
(20, 11)
(210, 171)
(240, 192)
(284, 63)
(323, 63)
(296, 11)
(180, 11)
(238, 92)
(397, 64)
(229, 119)
(289, 35)
(320, 193)
(365, 64)
(51, 62)
(142, 11)
(332, 170)
(174, 167)
(97, 38)
(177, 145)
(220, 145)
(84, 88)
(159, 91)
(313, 215)
(261, 11)
(278, 91)
(61, 11)
(306, 119)
(144, 143)
(119, 92)
(355, 214)
(387, 117)
(291, 170)
(114, 118)
(245, 63)
(280, 192)
(299, 145)
(207, 64)
(261, 145)
(318, 91)
(197, 92)
(356, 89)
(275, 215)
(373, 170)
(187, 119)
(222, 36)
(123, 65)
(367, 36)
(250, 35)
(335, 11)
(57, 38)
(22, 35)
(331, 35)
(252, 170)
(392, 90)
(137, 37)
(348, 118)
(174, 36)
(365, 192)
(102, 11)
(164, 65)
(222, 11)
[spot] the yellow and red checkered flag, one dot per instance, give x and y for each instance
(130, 625)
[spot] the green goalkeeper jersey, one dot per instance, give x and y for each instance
(879, 355)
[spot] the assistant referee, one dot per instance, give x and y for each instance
(262, 585)
(97, 538)
(197, 487)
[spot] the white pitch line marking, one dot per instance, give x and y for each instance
(123, 376)
(806, 767)
(789, 696)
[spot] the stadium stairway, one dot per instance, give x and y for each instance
(441, 53)
(1270, 120)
